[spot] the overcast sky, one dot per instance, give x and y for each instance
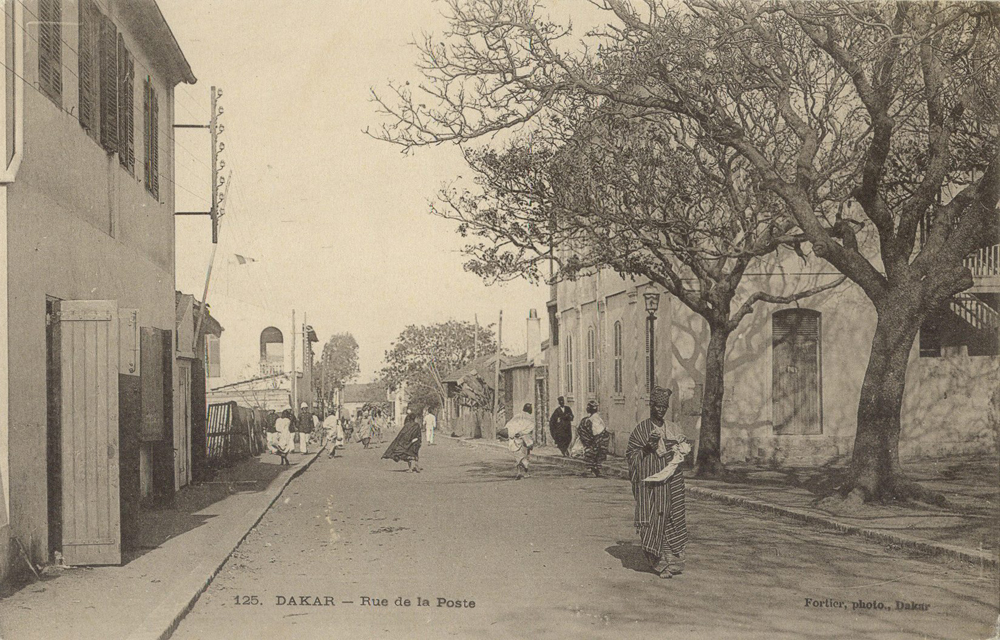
(336, 222)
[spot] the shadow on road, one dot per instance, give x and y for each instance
(492, 471)
(631, 556)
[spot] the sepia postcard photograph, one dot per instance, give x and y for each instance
(500, 319)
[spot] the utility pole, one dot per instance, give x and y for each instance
(496, 378)
(217, 208)
(295, 338)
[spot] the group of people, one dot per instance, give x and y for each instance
(289, 431)
(656, 448)
(592, 438)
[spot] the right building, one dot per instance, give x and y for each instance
(793, 372)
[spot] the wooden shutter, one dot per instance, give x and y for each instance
(86, 337)
(109, 85)
(50, 49)
(126, 105)
(795, 383)
(146, 150)
(130, 109)
(154, 387)
(88, 65)
(154, 136)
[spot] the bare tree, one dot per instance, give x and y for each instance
(641, 197)
(887, 108)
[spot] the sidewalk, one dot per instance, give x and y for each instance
(181, 550)
(967, 529)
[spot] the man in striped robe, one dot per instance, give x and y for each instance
(659, 506)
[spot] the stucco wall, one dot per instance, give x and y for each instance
(946, 400)
(79, 227)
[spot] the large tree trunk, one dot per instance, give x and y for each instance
(875, 474)
(709, 460)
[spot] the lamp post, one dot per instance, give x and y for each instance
(652, 299)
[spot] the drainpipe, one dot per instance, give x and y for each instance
(10, 166)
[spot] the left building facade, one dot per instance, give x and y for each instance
(87, 203)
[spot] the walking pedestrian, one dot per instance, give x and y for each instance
(659, 506)
(334, 433)
(561, 426)
(430, 423)
(272, 433)
(348, 428)
(307, 422)
(406, 445)
(284, 439)
(594, 437)
(520, 439)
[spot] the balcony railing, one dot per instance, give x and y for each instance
(985, 263)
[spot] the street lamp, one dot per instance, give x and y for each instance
(652, 299)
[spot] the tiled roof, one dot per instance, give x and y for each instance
(362, 393)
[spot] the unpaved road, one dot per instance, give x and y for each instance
(554, 556)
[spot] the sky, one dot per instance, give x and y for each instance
(336, 223)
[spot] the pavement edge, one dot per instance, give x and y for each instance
(161, 623)
(979, 558)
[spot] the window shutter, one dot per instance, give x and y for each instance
(109, 85)
(50, 49)
(147, 150)
(130, 109)
(126, 69)
(154, 135)
(87, 58)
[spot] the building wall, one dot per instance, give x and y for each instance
(79, 227)
(946, 400)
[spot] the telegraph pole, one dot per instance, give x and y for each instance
(496, 378)
(295, 337)
(216, 209)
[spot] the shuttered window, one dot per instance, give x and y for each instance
(126, 107)
(151, 116)
(591, 361)
(50, 49)
(569, 364)
(109, 84)
(88, 59)
(618, 357)
(796, 382)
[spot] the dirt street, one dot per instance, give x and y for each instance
(478, 555)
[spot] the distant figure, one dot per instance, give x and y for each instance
(272, 434)
(561, 426)
(520, 439)
(334, 433)
(283, 428)
(366, 428)
(305, 427)
(430, 423)
(406, 446)
(660, 518)
(594, 437)
(348, 429)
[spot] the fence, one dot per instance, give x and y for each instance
(235, 433)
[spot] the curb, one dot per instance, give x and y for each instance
(972, 556)
(162, 621)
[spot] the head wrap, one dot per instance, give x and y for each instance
(660, 396)
(592, 406)
(303, 405)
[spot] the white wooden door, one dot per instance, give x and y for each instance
(87, 339)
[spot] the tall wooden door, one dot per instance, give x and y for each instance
(182, 426)
(796, 387)
(86, 335)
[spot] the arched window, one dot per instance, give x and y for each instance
(618, 356)
(591, 361)
(569, 364)
(797, 381)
